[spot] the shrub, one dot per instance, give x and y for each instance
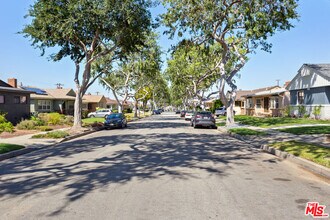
(4, 124)
(38, 120)
(288, 111)
(129, 110)
(53, 134)
(317, 111)
(301, 111)
(114, 111)
(54, 118)
(67, 120)
(27, 125)
(45, 128)
(84, 113)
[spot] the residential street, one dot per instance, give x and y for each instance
(157, 168)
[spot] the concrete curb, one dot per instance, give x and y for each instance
(306, 164)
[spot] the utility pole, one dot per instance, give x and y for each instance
(59, 85)
(278, 82)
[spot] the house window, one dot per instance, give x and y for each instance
(2, 99)
(23, 100)
(258, 103)
(44, 105)
(300, 97)
(274, 103)
(249, 103)
(237, 103)
(17, 99)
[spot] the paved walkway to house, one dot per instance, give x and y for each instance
(277, 136)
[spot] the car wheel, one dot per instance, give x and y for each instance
(225, 114)
(92, 116)
(195, 125)
(105, 116)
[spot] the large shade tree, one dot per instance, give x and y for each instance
(239, 27)
(85, 31)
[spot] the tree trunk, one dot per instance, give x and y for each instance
(136, 108)
(230, 108)
(77, 124)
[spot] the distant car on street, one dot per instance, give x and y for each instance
(188, 115)
(156, 112)
(203, 119)
(115, 120)
(183, 113)
(178, 112)
(102, 113)
(221, 111)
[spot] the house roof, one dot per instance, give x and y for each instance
(114, 102)
(12, 89)
(8, 88)
(275, 91)
(92, 98)
(322, 69)
(243, 93)
(53, 94)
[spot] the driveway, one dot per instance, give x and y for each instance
(157, 168)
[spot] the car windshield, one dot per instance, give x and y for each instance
(204, 113)
(112, 116)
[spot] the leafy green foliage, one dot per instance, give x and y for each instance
(317, 111)
(5, 126)
(52, 135)
(27, 125)
(44, 128)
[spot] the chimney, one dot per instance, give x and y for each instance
(12, 82)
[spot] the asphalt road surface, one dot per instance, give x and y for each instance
(157, 168)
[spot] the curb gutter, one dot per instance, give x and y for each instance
(306, 164)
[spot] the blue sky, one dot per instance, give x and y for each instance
(308, 42)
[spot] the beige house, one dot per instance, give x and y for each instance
(59, 100)
(112, 104)
(92, 102)
(269, 101)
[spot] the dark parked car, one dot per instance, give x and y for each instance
(115, 120)
(203, 119)
(183, 113)
(178, 112)
(156, 112)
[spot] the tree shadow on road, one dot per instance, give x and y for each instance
(144, 157)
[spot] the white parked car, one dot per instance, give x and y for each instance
(188, 115)
(102, 113)
(221, 111)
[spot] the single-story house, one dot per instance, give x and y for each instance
(14, 101)
(92, 102)
(112, 104)
(59, 100)
(269, 101)
(311, 88)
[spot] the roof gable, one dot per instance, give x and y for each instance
(311, 76)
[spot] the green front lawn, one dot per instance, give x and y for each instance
(221, 124)
(52, 135)
(317, 154)
(276, 121)
(4, 148)
(307, 130)
(92, 120)
(246, 131)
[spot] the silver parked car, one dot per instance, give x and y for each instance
(102, 113)
(221, 111)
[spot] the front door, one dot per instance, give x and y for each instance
(266, 104)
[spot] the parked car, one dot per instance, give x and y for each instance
(203, 119)
(115, 120)
(188, 115)
(102, 113)
(156, 112)
(177, 112)
(221, 111)
(183, 113)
